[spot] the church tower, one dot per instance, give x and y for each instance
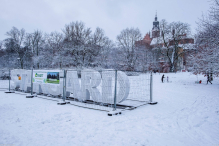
(156, 28)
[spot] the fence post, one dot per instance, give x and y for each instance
(64, 86)
(31, 85)
(64, 90)
(151, 87)
(9, 89)
(9, 80)
(151, 90)
(115, 90)
(31, 81)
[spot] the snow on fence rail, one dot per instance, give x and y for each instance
(97, 89)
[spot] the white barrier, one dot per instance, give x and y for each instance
(39, 87)
(92, 85)
(106, 87)
(91, 80)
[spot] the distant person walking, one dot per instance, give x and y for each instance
(167, 79)
(162, 78)
(208, 79)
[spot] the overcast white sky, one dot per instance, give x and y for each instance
(110, 15)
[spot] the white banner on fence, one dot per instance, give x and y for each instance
(45, 77)
(39, 77)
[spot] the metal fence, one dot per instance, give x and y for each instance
(4, 79)
(96, 89)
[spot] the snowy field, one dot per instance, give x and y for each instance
(187, 114)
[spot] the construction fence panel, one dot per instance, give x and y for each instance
(48, 83)
(107, 89)
(89, 88)
(139, 93)
(4, 79)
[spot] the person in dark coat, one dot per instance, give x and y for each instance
(208, 79)
(162, 78)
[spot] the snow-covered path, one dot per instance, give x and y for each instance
(187, 114)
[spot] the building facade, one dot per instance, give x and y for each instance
(161, 62)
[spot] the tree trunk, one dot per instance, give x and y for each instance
(171, 67)
(22, 64)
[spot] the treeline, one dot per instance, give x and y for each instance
(75, 47)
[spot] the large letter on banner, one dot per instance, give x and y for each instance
(90, 79)
(107, 86)
(72, 84)
(123, 86)
(28, 80)
(23, 81)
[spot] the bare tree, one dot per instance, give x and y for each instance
(35, 41)
(17, 38)
(173, 43)
(206, 57)
(78, 39)
(126, 42)
(208, 26)
(101, 46)
(2, 55)
(55, 42)
(145, 60)
(77, 32)
(105, 52)
(1, 45)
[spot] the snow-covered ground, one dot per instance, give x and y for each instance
(187, 114)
